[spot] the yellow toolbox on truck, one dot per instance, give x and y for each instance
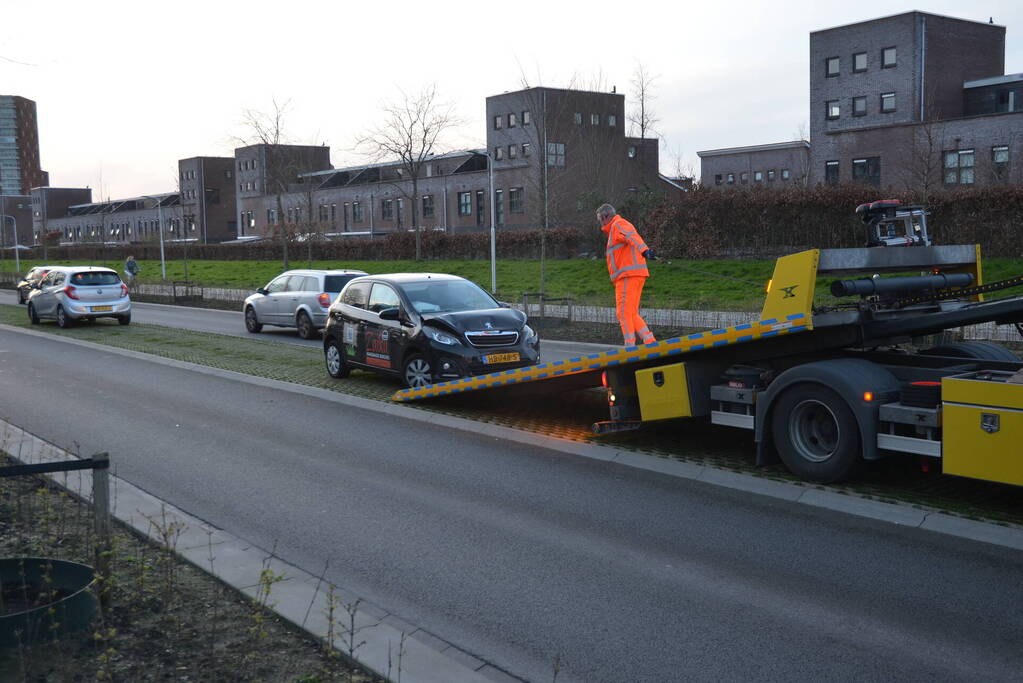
(983, 426)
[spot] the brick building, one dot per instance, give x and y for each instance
(914, 100)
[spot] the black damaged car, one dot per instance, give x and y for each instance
(424, 328)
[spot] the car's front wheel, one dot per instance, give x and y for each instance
(332, 355)
(33, 317)
(21, 297)
(305, 326)
(252, 323)
(417, 371)
(64, 320)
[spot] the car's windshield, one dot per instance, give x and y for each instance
(445, 296)
(95, 278)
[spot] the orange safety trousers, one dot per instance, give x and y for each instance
(628, 290)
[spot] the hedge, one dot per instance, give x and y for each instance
(709, 223)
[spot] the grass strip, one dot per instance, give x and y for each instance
(559, 415)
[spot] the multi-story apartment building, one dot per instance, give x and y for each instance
(913, 100)
(556, 154)
(206, 187)
(20, 169)
(553, 156)
(137, 219)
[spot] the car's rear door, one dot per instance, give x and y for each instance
(353, 313)
(298, 293)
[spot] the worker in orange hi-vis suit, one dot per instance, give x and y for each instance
(626, 263)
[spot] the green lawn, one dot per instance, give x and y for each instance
(709, 285)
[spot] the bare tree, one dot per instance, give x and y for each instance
(281, 168)
(410, 132)
(642, 118)
(922, 158)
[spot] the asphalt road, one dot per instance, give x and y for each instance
(519, 555)
(233, 323)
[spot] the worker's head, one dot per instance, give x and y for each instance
(605, 213)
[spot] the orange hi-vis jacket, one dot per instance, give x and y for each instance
(625, 249)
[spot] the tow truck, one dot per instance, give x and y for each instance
(828, 384)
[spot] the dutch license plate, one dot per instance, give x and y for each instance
(100, 309)
(501, 358)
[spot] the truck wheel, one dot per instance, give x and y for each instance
(816, 434)
(977, 350)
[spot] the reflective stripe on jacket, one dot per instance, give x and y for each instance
(625, 250)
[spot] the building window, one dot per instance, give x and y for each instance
(717, 179)
(743, 178)
(758, 176)
(526, 118)
(228, 174)
(427, 206)
(515, 200)
(959, 167)
(887, 102)
(859, 62)
(498, 122)
(556, 154)
(887, 57)
(465, 203)
(512, 120)
(612, 120)
(499, 153)
(358, 213)
(387, 209)
(323, 213)
(832, 109)
(867, 170)
(785, 175)
(252, 220)
(632, 151)
(859, 106)
(1000, 162)
(479, 207)
(594, 119)
(770, 175)
(333, 213)
(832, 66)
(513, 151)
(578, 118)
(499, 206)
(527, 149)
(269, 216)
(831, 172)
(730, 179)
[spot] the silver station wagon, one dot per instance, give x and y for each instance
(71, 293)
(296, 298)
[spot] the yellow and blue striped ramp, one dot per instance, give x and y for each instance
(796, 322)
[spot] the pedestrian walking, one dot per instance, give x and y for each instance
(131, 270)
(626, 263)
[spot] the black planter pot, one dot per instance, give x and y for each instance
(42, 599)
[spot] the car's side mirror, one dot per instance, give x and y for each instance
(504, 304)
(262, 290)
(393, 313)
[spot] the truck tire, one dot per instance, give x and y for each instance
(976, 350)
(816, 434)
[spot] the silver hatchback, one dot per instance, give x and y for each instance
(71, 293)
(296, 298)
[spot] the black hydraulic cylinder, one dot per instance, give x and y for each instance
(900, 284)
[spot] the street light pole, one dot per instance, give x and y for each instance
(159, 230)
(493, 225)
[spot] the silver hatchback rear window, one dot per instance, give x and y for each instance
(94, 278)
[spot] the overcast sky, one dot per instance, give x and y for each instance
(124, 89)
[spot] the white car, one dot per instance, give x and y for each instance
(71, 293)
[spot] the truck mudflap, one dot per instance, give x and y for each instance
(864, 386)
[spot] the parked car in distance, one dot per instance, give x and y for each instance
(424, 328)
(68, 294)
(296, 298)
(32, 277)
